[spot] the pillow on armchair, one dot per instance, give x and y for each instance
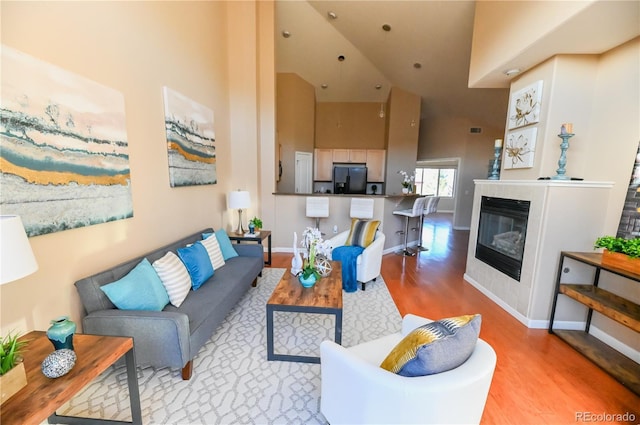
(435, 347)
(362, 232)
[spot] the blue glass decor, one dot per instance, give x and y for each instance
(60, 333)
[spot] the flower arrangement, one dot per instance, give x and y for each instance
(407, 179)
(315, 246)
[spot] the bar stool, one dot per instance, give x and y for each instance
(416, 211)
(317, 207)
(430, 207)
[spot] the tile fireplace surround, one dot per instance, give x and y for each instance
(563, 216)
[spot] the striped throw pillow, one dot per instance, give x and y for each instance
(213, 249)
(174, 277)
(363, 232)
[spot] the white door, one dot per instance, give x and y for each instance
(304, 169)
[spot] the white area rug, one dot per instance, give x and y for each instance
(233, 383)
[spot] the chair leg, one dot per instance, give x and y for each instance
(421, 224)
(405, 251)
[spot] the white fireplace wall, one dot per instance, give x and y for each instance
(563, 216)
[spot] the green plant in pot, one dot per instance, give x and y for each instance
(630, 247)
(256, 222)
(12, 372)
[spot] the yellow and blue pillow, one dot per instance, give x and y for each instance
(435, 347)
(362, 232)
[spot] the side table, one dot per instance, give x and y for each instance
(42, 396)
(259, 238)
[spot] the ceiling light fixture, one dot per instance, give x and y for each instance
(324, 85)
(341, 58)
(286, 34)
(511, 72)
(386, 27)
(417, 65)
(381, 113)
(332, 15)
(378, 86)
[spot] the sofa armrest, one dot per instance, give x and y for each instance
(339, 239)
(150, 331)
(411, 322)
(249, 250)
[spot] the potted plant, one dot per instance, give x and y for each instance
(620, 252)
(256, 223)
(12, 373)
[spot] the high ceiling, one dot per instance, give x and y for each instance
(435, 34)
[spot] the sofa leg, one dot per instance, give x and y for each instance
(255, 281)
(187, 371)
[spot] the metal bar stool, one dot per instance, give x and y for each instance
(317, 207)
(430, 207)
(416, 211)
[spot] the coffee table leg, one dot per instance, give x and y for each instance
(270, 355)
(338, 336)
(134, 392)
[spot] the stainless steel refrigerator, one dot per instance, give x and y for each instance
(349, 179)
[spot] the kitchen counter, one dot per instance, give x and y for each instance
(349, 195)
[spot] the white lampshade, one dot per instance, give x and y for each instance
(16, 257)
(239, 199)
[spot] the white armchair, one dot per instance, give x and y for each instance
(356, 390)
(369, 262)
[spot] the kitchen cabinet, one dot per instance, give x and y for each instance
(350, 155)
(376, 165)
(613, 306)
(323, 165)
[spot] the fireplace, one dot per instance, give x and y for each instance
(501, 234)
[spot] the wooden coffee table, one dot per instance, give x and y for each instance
(325, 297)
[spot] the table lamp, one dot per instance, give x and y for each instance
(239, 199)
(16, 257)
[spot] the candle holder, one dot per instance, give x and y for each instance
(495, 168)
(562, 162)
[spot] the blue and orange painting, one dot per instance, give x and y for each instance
(64, 160)
(190, 140)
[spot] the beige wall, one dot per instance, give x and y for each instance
(136, 48)
(296, 104)
(353, 125)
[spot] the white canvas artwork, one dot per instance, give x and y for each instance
(524, 107)
(64, 160)
(519, 149)
(190, 140)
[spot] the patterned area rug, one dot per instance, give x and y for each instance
(233, 383)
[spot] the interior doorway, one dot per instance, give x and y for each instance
(303, 172)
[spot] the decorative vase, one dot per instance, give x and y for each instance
(61, 333)
(307, 282)
(621, 261)
(405, 190)
(252, 228)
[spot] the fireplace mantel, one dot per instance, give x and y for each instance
(563, 216)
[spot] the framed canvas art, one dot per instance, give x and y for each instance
(519, 149)
(190, 140)
(64, 160)
(524, 106)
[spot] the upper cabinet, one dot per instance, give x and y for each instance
(350, 155)
(376, 165)
(323, 164)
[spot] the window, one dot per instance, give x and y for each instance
(435, 181)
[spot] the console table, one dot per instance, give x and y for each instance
(606, 303)
(42, 396)
(261, 236)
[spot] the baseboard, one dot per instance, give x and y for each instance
(614, 343)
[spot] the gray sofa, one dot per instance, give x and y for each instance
(172, 337)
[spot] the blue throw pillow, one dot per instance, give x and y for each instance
(228, 251)
(140, 289)
(196, 259)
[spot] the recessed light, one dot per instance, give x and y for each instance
(417, 65)
(341, 58)
(286, 34)
(332, 15)
(511, 72)
(386, 27)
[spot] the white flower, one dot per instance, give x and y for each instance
(406, 178)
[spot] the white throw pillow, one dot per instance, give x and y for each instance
(174, 277)
(213, 249)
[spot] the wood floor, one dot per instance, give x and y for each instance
(538, 379)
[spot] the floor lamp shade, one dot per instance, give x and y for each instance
(238, 200)
(16, 257)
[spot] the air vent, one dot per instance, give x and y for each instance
(475, 130)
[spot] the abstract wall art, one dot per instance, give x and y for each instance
(520, 148)
(64, 160)
(524, 106)
(190, 140)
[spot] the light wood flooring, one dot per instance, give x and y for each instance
(538, 379)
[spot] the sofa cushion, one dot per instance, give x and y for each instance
(196, 260)
(225, 245)
(140, 289)
(362, 232)
(174, 277)
(435, 347)
(213, 249)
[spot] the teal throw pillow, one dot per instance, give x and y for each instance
(140, 289)
(196, 259)
(228, 251)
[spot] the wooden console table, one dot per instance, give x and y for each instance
(606, 303)
(42, 396)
